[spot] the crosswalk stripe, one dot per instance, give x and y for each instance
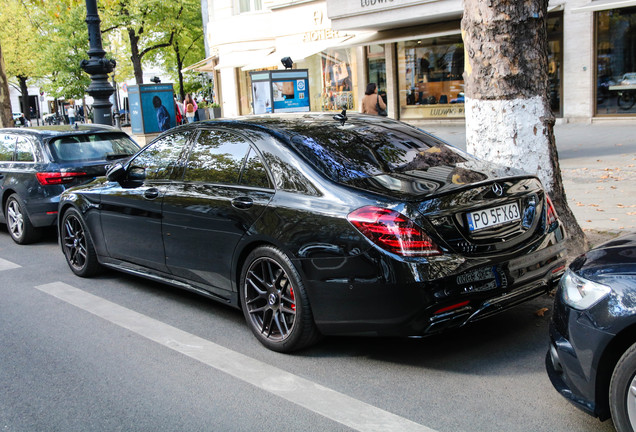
(7, 265)
(314, 397)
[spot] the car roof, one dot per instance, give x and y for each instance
(61, 130)
(289, 124)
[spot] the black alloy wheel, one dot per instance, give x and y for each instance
(77, 245)
(274, 301)
(20, 227)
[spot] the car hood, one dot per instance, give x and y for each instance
(615, 258)
(417, 184)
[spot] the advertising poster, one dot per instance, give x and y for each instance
(290, 90)
(134, 101)
(262, 97)
(280, 91)
(151, 108)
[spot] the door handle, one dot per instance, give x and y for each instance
(242, 202)
(151, 193)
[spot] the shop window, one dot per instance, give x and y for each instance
(430, 77)
(616, 61)
(555, 60)
(338, 80)
(244, 6)
(376, 67)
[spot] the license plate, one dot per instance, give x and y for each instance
(494, 216)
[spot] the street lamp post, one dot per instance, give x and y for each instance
(117, 119)
(98, 68)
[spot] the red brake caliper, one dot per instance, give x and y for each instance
(291, 293)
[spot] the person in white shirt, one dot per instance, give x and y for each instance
(71, 115)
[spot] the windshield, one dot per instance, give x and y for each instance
(92, 147)
(348, 154)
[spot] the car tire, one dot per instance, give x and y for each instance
(275, 303)
(623, 392)
(77, 245)
(19, 224)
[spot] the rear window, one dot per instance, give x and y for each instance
(348, 154)
(92, 147)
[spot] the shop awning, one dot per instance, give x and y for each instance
(241, 58)
(296, 52)
(205, 65)
(600, 5)
(404, 34)
(555, 7)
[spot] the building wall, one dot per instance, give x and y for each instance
(282, 21)
(578, 59)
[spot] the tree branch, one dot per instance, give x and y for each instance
(154, 47)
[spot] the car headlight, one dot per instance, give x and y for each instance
(581, 293)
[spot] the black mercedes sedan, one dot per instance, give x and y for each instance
(318, 225)
(37, 164)
(592, 355)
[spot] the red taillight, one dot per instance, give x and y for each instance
(393, 232)
(55, 178)
(552, 214)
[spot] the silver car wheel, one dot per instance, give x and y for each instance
(631, 402)
(15, 219)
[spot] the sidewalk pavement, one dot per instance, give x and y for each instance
(598, 166)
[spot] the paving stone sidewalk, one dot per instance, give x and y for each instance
(598, 166)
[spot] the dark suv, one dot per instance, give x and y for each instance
(38, 164)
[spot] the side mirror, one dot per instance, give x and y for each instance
(136, 174)
(116, 172)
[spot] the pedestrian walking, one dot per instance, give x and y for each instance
(178, 111)
(70, 111)
(190, 108)
(196, 110)
(372, 103)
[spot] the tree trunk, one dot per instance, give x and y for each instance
(135, 57)
(179, 68)
(508, 115)
(6, 117)
(24, 89)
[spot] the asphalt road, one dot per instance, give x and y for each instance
(118, 353)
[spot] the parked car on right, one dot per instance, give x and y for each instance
(592, 355)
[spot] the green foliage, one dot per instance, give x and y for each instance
(22, 39)
(67, 45)
(47, 39)
(157, 31)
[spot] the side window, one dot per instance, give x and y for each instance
(217, 157)
(7, 147)
(24, 150)
(254, 172)
(161, 159)
(243, 6)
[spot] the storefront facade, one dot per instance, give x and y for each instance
(414, 51)
(591, 64)
(244, 39)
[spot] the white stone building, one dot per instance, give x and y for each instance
(413, 50)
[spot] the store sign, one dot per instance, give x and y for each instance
(433, 111)
(371, 3)
(323, 34)
(343, 9)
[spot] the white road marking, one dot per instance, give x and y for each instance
(314, 397)
(7, 265)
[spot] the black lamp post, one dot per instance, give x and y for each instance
(98, 68)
